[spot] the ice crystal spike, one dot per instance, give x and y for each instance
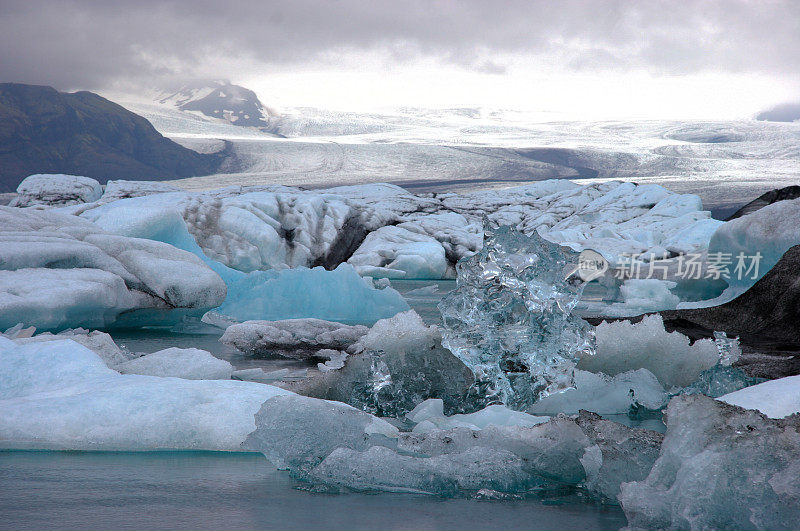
(509, 318)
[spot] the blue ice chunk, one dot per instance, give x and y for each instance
(340, 295)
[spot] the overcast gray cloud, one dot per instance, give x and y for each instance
(88, 44)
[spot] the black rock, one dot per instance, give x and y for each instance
(773, 196)
(46, 131)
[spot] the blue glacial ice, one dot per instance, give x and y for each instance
(509, 318)
(719, 467)
(59, 271)
(338, 295)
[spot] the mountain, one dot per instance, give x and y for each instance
(46, 131)
(220, 99)
(785, 112)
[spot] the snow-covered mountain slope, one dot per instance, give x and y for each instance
(219, 99)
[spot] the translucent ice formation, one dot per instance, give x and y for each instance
(586, 451)
(340, 295)
(606, 395)
(509, 319)
(298, 432)
(720, 467)
(394, 367)
(624, 346)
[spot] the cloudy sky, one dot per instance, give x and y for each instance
(660, 59)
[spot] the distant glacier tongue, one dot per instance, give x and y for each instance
(509, 318)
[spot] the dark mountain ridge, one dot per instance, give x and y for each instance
(46, 131)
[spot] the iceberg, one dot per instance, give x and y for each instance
(293, 338)
(98, 342)
(56, 190)
(584, 451)
(627, 392)
(59, 271)
(399, 363)
(59, 395)
(255, 229)
(382, 469)
(429, 415)
(340, 295)
(770, 231)
(273, 295)
(188, 363)
(719, 467)
(298, 432)
(776, 399)
(642, 296)
(384, 230)
(509, 319)
(396, 252)
(624, 346)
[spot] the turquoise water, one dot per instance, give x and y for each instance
(212, 490)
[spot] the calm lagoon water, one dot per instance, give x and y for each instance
(214, 490)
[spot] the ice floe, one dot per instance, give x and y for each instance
(775, 398)
(293, 338)
(60, 395)
(624, 346)
(188, 363)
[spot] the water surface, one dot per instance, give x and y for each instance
(215, 490)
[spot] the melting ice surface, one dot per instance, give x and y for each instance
(509, 318)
